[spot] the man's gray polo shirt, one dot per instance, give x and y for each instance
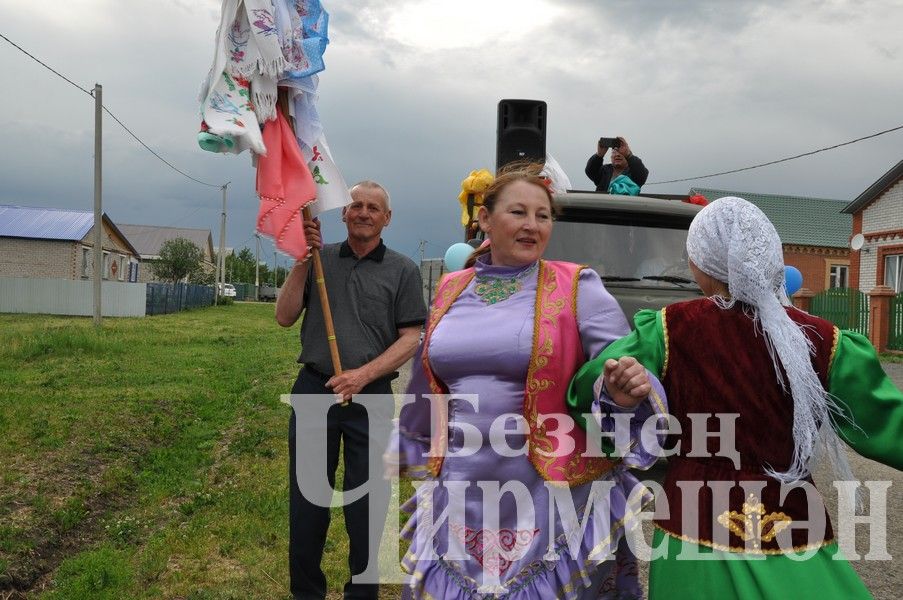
(370, 298)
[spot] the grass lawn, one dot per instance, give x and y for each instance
(148, 459)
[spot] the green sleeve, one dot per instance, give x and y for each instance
(869, 399)
(646, 343)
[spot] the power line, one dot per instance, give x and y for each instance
(163, 160)
(46, 66)
(242, 245)
(107, 110)
(780, 160)
(189, 214)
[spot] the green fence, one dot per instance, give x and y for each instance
(244, 291)
(895, 333)
(166, 298)
(847, 308)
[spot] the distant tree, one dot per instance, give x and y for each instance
(240, 267)
(203, 277)
(180, 260)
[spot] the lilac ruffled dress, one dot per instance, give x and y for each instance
(460, 548)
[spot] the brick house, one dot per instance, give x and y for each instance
(814, 232)
(878, 216)
(55, 243)
(148, 239)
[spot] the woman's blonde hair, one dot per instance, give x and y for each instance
(530, 172)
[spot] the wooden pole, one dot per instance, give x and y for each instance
(324, 304)
(319, 278)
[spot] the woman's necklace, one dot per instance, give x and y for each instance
(492, 289)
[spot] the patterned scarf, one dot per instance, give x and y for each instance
(260, 43)
(734, 242)
(247, 46)
(302, 28)
(229, 123)
(285, 186)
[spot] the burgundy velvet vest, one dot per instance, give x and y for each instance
(716, 362)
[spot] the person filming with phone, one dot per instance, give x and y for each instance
(625, 174)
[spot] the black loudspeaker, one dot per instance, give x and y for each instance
(521, 132)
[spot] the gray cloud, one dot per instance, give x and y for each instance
(696, 87)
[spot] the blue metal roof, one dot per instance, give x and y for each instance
(44, 223)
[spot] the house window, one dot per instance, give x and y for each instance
(106, 265)
(86, 261)
(893, 272)
(120, 273)
(838, 276)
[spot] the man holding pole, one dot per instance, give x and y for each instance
(378, 311)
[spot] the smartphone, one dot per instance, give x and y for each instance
(606, 142)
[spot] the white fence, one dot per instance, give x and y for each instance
(70, 297)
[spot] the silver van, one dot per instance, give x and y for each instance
(637, 244)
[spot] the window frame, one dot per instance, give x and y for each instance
(843, 268)
(897, 285)
(86, 261)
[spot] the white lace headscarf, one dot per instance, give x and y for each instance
(734, 242)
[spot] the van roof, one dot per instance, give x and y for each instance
(667, 205)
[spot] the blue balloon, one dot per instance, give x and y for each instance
(457, 255)
(793, 279)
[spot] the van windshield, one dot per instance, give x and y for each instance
(653, 256)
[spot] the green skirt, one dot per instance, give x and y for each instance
(820, 577)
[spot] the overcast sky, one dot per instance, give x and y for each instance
(410, 90)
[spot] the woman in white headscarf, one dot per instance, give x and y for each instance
(744, 519)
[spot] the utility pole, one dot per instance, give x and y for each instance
(257, 268)
(422, 245)
(275, 273)
(221, 259)
(98, 201)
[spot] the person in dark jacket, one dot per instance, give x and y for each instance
(623, 162)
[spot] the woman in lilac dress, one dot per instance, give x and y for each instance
(513, 506)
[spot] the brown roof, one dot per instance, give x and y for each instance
(148, 239)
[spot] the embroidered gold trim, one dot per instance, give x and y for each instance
(574, 287)
(743, 549)
(575, 471)
(754, 525)
(665, 333)
(538, 359)
(834, 345)
(658, 402)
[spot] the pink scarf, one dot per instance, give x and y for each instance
(285, 186)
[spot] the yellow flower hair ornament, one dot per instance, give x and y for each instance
(475, 183)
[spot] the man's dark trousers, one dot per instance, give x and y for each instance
(308, 523)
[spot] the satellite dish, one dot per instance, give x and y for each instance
(857, 242)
